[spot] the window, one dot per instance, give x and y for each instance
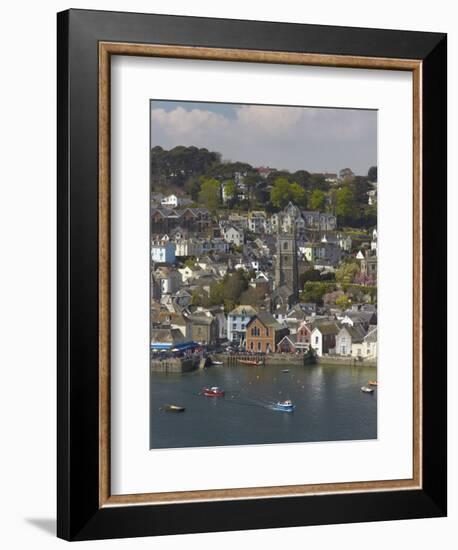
(343, 350)
(316, 339)
(259, 346)
(234, 326)
(267, 332)
(285, 246)
(251, 346)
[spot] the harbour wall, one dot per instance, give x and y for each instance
(346, 361)
(176, 365)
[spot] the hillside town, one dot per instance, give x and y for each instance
(250, 262)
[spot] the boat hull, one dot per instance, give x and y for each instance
(212, 393)
(284, 408)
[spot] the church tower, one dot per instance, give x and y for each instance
(286, 272)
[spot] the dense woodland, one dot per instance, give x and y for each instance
(200, 173)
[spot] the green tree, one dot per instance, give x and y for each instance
(298, 195)
(343, 302)
(313, 292)
(230, 189)
(209, 194)
(192, 187)
(317, 200)
(346, 175)
(279, 195)
(284, 191)
(190, 262)
(347, 272)
(345, 203)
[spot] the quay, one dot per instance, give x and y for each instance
(281, 359)
(177, 365)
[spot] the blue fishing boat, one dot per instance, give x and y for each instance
(285, 406)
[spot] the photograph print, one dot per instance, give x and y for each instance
(263, 265)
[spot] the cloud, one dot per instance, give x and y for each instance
(315, 139)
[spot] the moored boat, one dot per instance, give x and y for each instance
(173, 408)
(214, 391)
(372, 383)
(285, 406)
(217, 362)
(249, 362)
(367, 389)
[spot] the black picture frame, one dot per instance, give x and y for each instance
(79, 515)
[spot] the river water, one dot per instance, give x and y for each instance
(329, 406)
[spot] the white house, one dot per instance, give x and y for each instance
(189, 272)
(163, 251)
(237, 321)
(374, 240)
(171, 201)
(188, 247)
(257, 221)
(349, 339)
(323, 338)
(169, 280)
(367, 348)
(234, 236)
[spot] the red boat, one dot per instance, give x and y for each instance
(212, 392)
(249, 362)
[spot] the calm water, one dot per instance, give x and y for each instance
(329, 406)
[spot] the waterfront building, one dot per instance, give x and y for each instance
(303, 337)
(287, 344)
(237, 321)
(263, 333)
(349, 336)
(203, 328)
(168, 339)
(323, 337)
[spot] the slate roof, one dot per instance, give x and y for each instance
(168, 336)
(371, 336)
(327, 327)
(249, 310)
(267, 319)
(357, 333)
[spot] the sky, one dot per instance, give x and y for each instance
(292, 138)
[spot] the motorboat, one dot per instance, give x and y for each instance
(217, 362)
(367, 389)
(285, 406)
(214, 391)
(372, 383)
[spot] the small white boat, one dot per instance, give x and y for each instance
(285, 406)
(367, 389)
(217, 363)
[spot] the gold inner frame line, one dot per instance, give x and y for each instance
(106, 50)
